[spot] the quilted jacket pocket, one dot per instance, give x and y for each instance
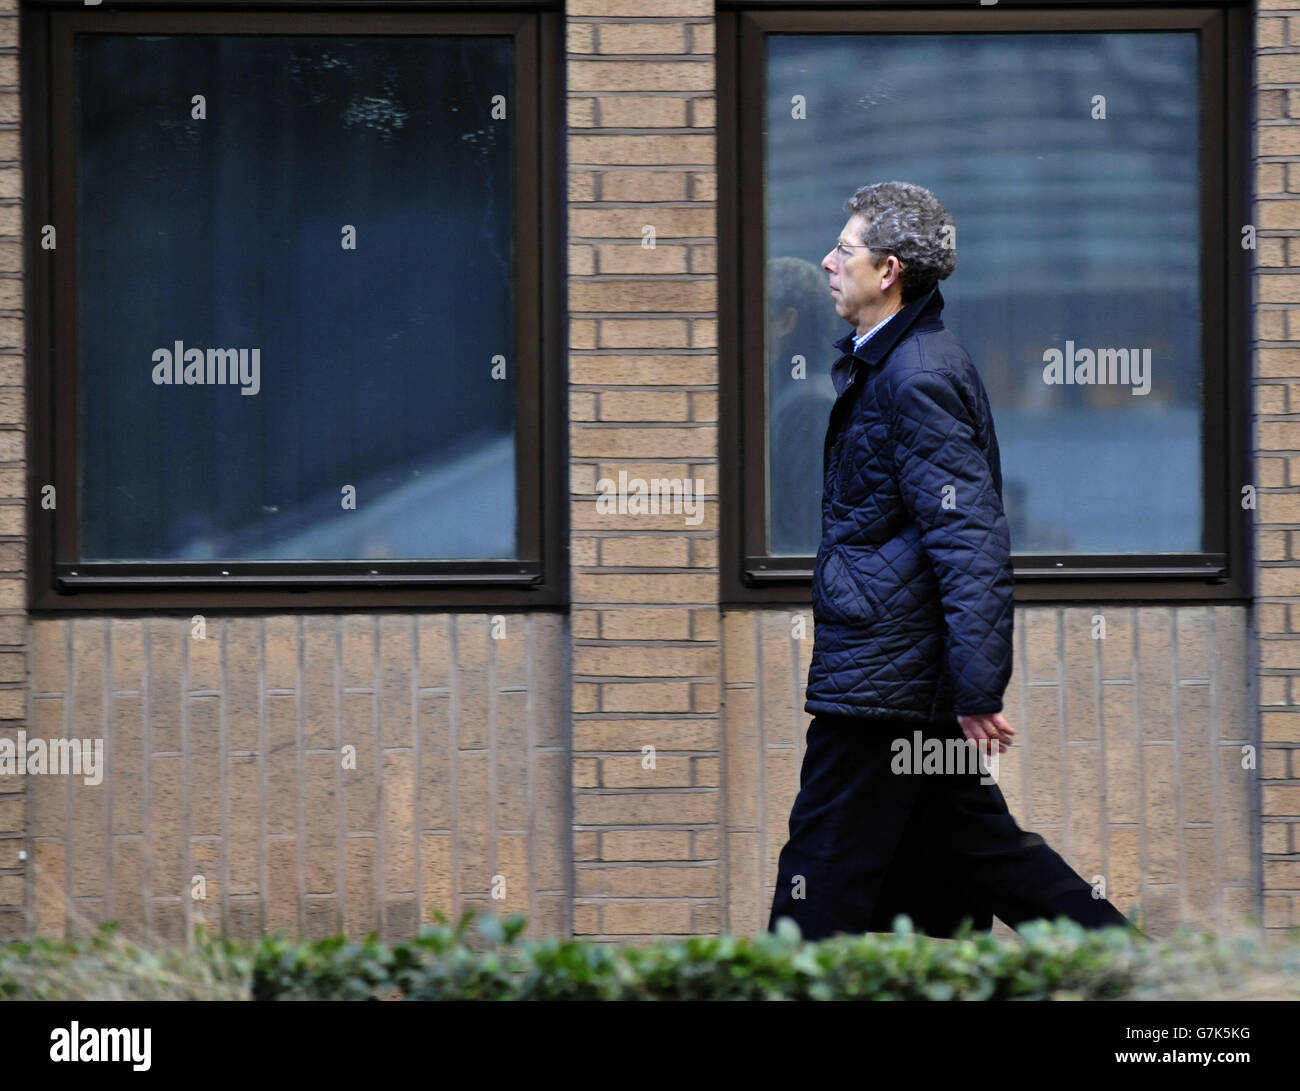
(842, 592)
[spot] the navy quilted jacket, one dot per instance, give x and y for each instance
(912, 591)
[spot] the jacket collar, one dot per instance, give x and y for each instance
(878, 346)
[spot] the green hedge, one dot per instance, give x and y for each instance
(1043, 962)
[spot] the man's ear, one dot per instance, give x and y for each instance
(897, 266)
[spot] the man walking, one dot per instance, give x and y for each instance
(913, 611)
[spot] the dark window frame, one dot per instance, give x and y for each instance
(748, 575)
(56, 581)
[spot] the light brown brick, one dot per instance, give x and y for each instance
(1271, 545)
(631, 772)
(1282, 874)
(1278, 68)
(644, 294)
(636, 259)
(642, 38)
(648, 588)
(1279, 362)
(1280, 726)
(645, 845)
(641, 112)
(674, 75)
(643, 369)
(1278, 582)
(1271, 32)
(1276, 837)
(586, 918)
(645, 697)
(647, 187)
(639, 808)
(581, 112)
(623, 223)
(580, 37)
(704, 258)
(642, 405)
(1271, 253)
(586, 773)
(702, 37)
(1280, 799)
(644, 552)
(11, 902)
(626, 333)
(615, 9)
(633, 734)
(704, 333)
(703, 112)
(642, 882)
(582, 185)
(652, 918)
(706, 772)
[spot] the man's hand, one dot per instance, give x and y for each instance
(991, 726)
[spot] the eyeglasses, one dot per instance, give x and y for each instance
(842, 248)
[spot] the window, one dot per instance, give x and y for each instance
(295, 330)
(1083, 158)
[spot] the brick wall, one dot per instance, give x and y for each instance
(224, 753)
(1276, 439)
(1127, 760)
(643, 383)
(227, 762)
(13, 635)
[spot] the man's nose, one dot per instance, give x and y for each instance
(827, 263)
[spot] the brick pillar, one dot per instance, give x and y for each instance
(13, 653)
(643, 400)
(1276, 377)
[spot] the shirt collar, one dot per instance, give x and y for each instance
(875, 346)
(861, 338)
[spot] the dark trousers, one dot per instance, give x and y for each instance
(867, 843)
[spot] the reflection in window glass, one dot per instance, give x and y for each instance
(366, 366)
(1073, 232)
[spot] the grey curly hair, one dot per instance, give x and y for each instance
(907, 221)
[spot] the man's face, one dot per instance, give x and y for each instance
(859, 289)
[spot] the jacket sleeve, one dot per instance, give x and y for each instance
(964, 531)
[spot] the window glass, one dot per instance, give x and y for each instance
(328, 229)
(1070, 165)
